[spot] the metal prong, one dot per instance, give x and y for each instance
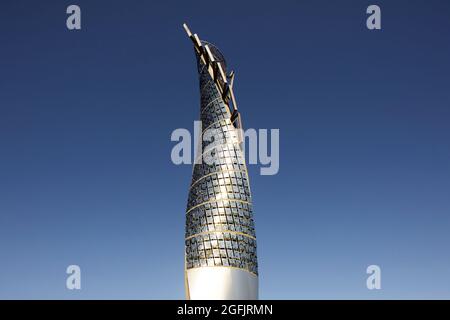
(222, 74)
(231, 77)
(186, 28)
(197, 40)
(211, 57)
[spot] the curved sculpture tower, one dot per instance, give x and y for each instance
(220, 256)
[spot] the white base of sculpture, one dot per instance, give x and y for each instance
(221, 283)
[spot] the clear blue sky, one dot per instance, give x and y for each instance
(85, 124)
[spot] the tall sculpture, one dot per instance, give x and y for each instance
(220, 256)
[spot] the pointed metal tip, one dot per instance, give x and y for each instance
(186, 28)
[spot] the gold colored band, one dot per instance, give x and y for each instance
(216, 200)
(213, 173)
(226, 231)
(209, 103)
(216, 122)
(222, 145)
(230, 267)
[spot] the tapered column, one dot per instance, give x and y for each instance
(220, 258)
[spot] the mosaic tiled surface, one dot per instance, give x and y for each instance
(220, 229)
